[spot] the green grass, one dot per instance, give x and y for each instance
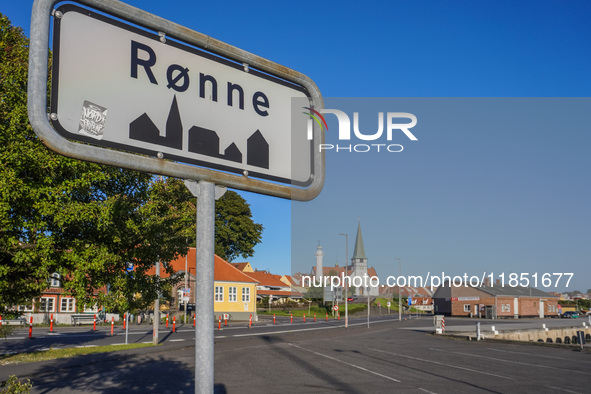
(53, 354)
(320, 311)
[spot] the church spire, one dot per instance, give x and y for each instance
(359, 252)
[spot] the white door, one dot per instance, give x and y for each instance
(541, 309)
(516, 307)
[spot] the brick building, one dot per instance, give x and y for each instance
(494, 302)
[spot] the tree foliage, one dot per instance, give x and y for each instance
(236, 232)
(86, 221)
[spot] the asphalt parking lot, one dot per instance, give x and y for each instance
(390, 356)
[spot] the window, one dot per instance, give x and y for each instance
(466, 307)
(47, 304)
(219, 294)
(245, 294)
(25, 308)
(505, 307)
(68, 305)
(232, 294)
(54, 280)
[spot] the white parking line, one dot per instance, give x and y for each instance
(176, 340)
(565, 390)
(426, 391)
(346, 363)
(444, 364)
(512, 362)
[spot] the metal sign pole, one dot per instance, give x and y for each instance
(204, 357)
(206, 193)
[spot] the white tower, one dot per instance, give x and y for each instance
(319, 255)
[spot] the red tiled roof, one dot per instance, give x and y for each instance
(240, 266)
(223, 271)
(266, 279)
(280, 293)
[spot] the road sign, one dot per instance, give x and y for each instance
(186, 294)
(409, 301)
(172, 109)
(388, 304)
(335, 308)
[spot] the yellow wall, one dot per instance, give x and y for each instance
(227, 306)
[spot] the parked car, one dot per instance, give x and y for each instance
(351, 299)
(569, 315)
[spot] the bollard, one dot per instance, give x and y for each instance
(167, 320)
(94, 323)
(304, 317)
(219, 323)
(51, 323)
(194, 320)
(339, 316)
(124, 320)
(174, 324)
(225, 319)
(273, 318)
(112, 324)
(314, 318)
(250, 321)
(0, 320)
(327, 317)
(291, 317)
(443, 324)
(31, 328)
(478, 331)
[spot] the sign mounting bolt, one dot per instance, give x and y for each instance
(162, 37)
(53, 116)
(245, 173)
(245, 67)
(57, 14)
(160, 155)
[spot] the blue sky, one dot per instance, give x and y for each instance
(456, 200)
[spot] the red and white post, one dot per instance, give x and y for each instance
(167, 320)
(0, 320)
(273, 319)
(443, 324)
(225, 319)
(174, 324)
(51, 323)
(94, 323)
(219, 322)
(314, 318)
(291, 317)
(194, 317)
(124, 320)
(250, 321)
(304, 317)
(31, 328)
(112, 324)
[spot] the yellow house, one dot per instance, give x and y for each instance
(235, 292)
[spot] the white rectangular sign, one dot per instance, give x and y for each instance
(118, 86)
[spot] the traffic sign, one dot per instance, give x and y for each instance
(409, 301)
(388, 304)
(335, 308)
(164, 106)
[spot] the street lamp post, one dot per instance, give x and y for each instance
(346, 282)
(399, 291)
